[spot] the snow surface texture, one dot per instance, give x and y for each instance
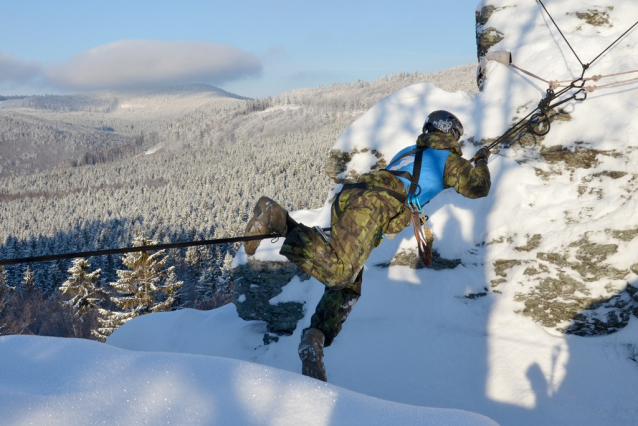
(50, 381)
(555, 239)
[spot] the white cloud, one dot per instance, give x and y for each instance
(129, 63)
(14, 70)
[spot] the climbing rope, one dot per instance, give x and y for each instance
(125, 250)
(538, 121)
(555, 84)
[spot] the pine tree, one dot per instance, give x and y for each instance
(82, 287)
(223, 284)
(5, 288)
(109, 322)
(205, 285)
(28, 281)
(146, 286)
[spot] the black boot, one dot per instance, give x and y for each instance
(268, 218)
(311, 354)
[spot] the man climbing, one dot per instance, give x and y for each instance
(381, 202)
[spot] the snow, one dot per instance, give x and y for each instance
(421, 346)
(49, 381)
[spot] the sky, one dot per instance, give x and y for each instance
(251, 48)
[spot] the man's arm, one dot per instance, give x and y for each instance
(470, 181)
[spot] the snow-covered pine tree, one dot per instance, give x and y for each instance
(205, 285)
(5, 288)
(109, 322)
(28, 281)
(83, 288)
(223, 285)
(146, 286)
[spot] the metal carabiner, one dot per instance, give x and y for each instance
(539, 124)
(583, 93)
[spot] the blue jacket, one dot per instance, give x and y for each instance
(432, 171)
(442, 167)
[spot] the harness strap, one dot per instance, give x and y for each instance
(416, 169)
(423, 234)
(416, 173)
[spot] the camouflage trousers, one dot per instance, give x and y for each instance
(359, 219)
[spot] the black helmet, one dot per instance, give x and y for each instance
(445, 122)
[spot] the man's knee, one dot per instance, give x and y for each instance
(340, 280)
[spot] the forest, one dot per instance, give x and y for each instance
(115, 169)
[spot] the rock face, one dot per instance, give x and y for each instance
(256, 283)
(574, 288)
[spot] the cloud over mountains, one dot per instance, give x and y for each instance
(133, 63)
(15, 70)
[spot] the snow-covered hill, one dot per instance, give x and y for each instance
(48, 381)
(533, 320)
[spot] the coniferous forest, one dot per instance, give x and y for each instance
(118, 169)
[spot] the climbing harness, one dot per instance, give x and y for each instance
(423, 234)
(537, 121)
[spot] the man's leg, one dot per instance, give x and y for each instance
(331, 312)
(334, 308)
(353, 234)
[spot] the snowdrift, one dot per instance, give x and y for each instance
(48, 381)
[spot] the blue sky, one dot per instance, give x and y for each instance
(253, 48)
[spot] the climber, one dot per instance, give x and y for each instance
(361, 214)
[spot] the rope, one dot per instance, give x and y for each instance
(138, 249)
(554, 84)
(530, 74)
(586, 66)
(561, 33)
(592, 88)
(616, 41)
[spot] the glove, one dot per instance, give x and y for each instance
(481, 154)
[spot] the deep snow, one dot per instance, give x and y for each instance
(53, 381)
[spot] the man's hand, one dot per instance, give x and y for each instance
(481, 154)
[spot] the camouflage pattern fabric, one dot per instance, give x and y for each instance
(365, 216)
(466, 179)
(334, 307)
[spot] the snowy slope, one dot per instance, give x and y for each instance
(49, 381)
(552, 247)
